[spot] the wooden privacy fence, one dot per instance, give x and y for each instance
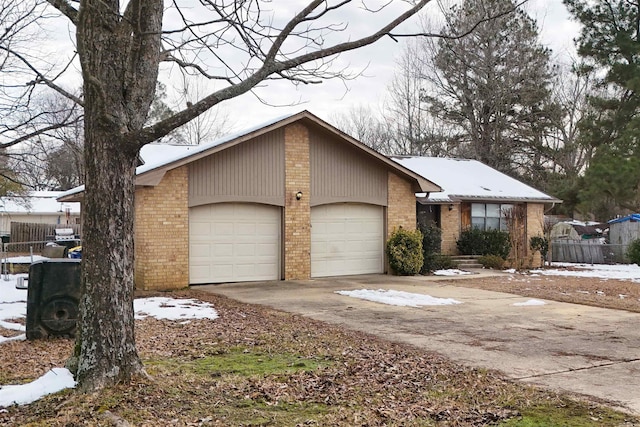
(588, 253)
(27, 236)
(32, 232)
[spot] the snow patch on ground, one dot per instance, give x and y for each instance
(55, 380)
(13, 305)
(531, 302)
(399, 298)
(602, 271)
(173, 309)
(451, 272)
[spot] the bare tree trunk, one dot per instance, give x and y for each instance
(119, 57)
(105, 349)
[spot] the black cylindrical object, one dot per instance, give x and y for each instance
(52, 298)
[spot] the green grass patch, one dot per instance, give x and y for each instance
(239, 361)
(235, 369)
(566, 413)
(249, 412)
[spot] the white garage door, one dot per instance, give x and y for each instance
(234, 242)
(346, 239)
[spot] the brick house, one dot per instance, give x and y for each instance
(476, 195)
(292, 199)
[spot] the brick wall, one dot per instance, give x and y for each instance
(401, 204)
(535, 227)
(162, 233)
(450, 224)
(297, 213)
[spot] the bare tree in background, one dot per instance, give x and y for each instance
(403, 125)
(120, 47)
(365, 124)
(54, 159)
(208, 126)
(416, 131)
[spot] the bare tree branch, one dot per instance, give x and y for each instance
(65, 7)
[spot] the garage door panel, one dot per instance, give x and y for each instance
(233, 242)
(246, 230)
(200, 229)
(346, 239)
(266, 249)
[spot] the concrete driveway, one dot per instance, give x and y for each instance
(561, 346)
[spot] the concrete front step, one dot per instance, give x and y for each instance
(466, 261)
(464, 266)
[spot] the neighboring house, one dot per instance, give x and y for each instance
(475, 195)
(291, 199)
(623, 231)
(37, 207)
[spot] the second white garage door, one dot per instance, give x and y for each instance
(234, 242)
(346, 239)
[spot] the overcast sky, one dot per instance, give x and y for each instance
(376, 63)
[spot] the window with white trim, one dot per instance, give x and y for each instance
(489, 216)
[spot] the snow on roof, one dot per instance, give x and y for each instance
(156, 155)
(633, 217)
(37, 202)
(470, 179)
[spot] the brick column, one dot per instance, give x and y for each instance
(535, 227)
(401, 204)
(162, 233)
(450, 225)
(297, 213)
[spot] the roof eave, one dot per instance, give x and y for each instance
(459, 199)
(420, 183)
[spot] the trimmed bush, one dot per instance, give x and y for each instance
(438, 262)
(494, 262)
(633, 252)
(490, 242)
(404, 249)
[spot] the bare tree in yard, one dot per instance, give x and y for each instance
(516, 219)
(120, 47)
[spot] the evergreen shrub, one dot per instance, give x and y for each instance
(431, 240)
(404, 249)
(539, 243)
(494, 262)
(484, 242)
(439, 262)
(633, 252)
